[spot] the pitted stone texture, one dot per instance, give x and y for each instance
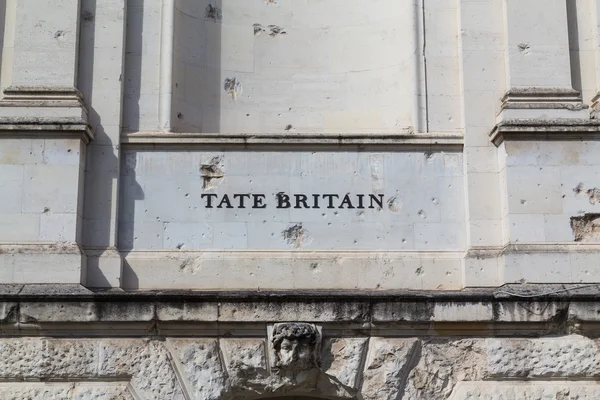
(387, 367)
(22, 358)
(64, 391)
(87, 392)
(573, 356)
(526, 391)
(342, 359)
(71, 358)
(246, 364)
(146, 362)
(200, 367)
(442, 364)
(20, 391)
(33, 358)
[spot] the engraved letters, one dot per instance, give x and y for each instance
(296, 200)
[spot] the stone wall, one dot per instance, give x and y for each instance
(372, 368)
(512, 343)
(476, 127)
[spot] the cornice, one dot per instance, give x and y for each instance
(545, 129)
(44, 112)
(295, 140)
(73, 309)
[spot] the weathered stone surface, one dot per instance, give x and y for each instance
(292, 311)
(67, 359)
(387, 367)
(6, 309)
(573, 356)
(64, 391)
(200, 367)
(146, 362)
(19, 391)
(531, 311)
(342, 359)
(526, 391)
(294, 346)
(105, 392)
(187, 311)
(22, 358)
(246, 364)
(441, 364)
(85, 311)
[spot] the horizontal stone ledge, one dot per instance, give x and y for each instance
(508, 292)
(545, 304)
(296, 139)
(562, 129)
(45, 129)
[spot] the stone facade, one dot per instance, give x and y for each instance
(78, 344)
(248, 199)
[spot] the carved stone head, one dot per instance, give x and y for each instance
(295, 346)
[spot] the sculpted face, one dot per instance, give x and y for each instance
(295, 346)
(295, 354)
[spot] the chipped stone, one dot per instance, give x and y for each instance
(214, 13)
(246, 364)
(342, 358)
(232, 87)
(147, 362)
(586, 228)
(441, 364)
(295, 235)
(387, 367)
(212, 173)
(201, 367)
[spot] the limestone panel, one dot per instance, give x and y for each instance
(342, 358)
(148, 364)
(64, 391)
(387, 367)
(176, 200)
(245, 362)
(443, 363)
(525, 391)
(543, 358)
(201, 367)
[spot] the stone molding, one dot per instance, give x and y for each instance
(543, 98)
(63, 309)
(359, 367)
(44, 111)
(295, 139)
(545, 129)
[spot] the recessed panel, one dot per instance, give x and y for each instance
(294, 66)
(301, 200)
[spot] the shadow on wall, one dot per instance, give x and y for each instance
(2, 26)
(102, 164)
(573, 26)
(198, 81)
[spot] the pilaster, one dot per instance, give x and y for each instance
(544, 134)
(43, 137)
(538, 66)
(595, 7)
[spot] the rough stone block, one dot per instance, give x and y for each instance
(566, 357)
(342, 358)
(147, 362)
(525, 391)
(201, 367)
(387, 367)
